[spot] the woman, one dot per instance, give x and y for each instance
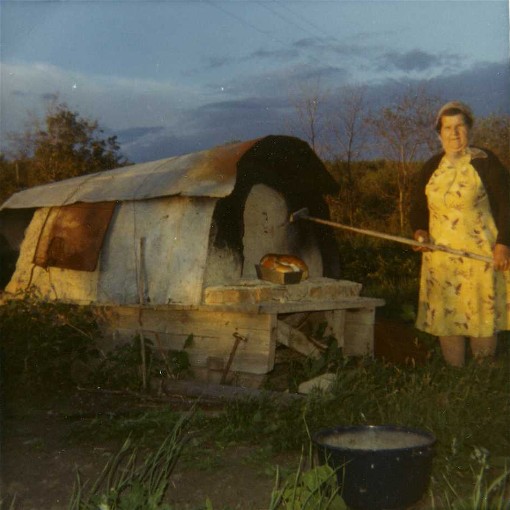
(462, 200)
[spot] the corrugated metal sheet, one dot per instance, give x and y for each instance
(210, 173)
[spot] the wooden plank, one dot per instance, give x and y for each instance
(208, 322)
(296, 340)
(299, 306)
(213, 334)
(272, 307)
(196, 389)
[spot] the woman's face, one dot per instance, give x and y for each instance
(454, 134)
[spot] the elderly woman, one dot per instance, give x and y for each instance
(462, 200)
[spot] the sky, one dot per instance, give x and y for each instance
(172, 77)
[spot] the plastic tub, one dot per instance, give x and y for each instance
(378, 466)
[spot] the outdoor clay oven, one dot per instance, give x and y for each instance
(168, 249)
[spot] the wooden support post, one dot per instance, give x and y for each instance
(359, 332)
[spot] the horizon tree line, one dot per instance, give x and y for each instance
(397, 138)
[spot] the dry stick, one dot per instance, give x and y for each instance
(164, 357)
(141, 299)
(398, 239)
(320, 346)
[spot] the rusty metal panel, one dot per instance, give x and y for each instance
(72, 236)
(170, 269)
(210, 173)
(51, 283)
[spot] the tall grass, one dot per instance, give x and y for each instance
(128, 483)
(468, 410)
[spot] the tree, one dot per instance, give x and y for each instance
(348, 126)
(65, 145)
(308, 104)
(9, 178)
(493, 132)
(405, 133)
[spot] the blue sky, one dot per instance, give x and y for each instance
(170, 77)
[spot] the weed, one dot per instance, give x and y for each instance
(43, 343)
(483, 492)
(127, 483)
(124, 367)
(315, 488)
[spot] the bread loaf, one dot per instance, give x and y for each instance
(284, 264)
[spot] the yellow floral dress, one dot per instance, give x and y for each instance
(461, 296)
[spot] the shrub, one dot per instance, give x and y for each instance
(42, 341)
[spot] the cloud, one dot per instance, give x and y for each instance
(485, 86)
(206, 126)
(114, 101)
(215, 63)
(240, 119)
(155, 119)
(277, 54)
(154, 143)
(127, 136)
(285, 82)
(312, 49)
(415, 60)
(18, 93)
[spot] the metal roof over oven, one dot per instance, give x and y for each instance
(210, 173)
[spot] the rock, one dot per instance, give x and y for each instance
(322, 383)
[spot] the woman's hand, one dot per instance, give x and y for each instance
(422, 236)
(501, 257)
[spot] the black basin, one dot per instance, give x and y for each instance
(379, 467)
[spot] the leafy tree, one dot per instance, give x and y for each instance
(65, 145)
(376, 206)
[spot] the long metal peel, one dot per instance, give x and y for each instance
(303, 214)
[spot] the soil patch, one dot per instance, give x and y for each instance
(398, 342)
(40, 456)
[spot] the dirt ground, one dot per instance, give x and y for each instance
(39, 456)
(39, 459)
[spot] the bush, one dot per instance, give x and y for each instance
(386, 270)
(42, 341)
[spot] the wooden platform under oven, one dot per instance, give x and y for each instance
(250, 318)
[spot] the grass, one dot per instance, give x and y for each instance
(127, 483)
(468, 410)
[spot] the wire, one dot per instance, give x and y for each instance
(265, 33)
(284, 18)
